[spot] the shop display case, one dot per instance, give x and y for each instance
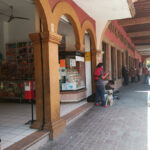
(72, 71)
(17, 68)
(11, 89)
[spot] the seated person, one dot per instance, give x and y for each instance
(110, 86)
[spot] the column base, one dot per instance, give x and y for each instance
(36, 125)
(55, 128)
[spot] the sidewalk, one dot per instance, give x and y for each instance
(120, 127)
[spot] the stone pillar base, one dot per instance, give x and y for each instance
(55, 128)
(36, 125)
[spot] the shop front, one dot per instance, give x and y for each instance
(64, 63)
(55, 58)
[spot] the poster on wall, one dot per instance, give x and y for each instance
(87, 56)
(62, 63)
(79, 58)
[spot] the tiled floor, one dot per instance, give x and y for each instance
(120, 127)
(13, 117)
(68, 107)
(12, 122)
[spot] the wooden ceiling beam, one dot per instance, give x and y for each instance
(134, 21)
(142, 42)
(139, 34)
(144, 52)
(140, 50)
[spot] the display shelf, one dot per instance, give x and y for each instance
(19, 67)
(22, 54)
(72, 75)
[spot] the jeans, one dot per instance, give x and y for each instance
(100, 93)
(126, 80)
(146, 79)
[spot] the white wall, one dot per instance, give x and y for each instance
(19, 30)
(102, 11)
(67, 30)
(88, 67)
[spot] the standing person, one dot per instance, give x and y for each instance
(145, 75)
(100, 76)
(139, 73)
(132, 74)
(125, 74)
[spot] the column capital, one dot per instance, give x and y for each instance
(51, 37)
(46, 37)
(97, 52)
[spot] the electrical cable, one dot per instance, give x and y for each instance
(43, 96)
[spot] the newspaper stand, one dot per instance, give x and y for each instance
(30, 95)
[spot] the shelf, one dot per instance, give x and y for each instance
(9, 97)
(19, 62)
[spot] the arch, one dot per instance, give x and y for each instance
(103, 33)
(87, 25)
(45, 12)
(63, 8)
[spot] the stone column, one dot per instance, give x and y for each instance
(115, 64)
(35, 38)
(53, 122)
(121, 64)
(108, 58)
(93, 60)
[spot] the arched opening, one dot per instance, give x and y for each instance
(68, 11)
(88, 29)
(17, 68)
(72, 68)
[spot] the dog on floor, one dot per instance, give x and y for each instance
(110, 99)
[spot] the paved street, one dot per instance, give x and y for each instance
(120, 127)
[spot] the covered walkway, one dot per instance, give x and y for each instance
(120, 127)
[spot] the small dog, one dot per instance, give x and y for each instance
(110, 99)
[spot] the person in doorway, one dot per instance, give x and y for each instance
(125, 74)
(100, 76)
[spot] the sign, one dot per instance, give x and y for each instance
(87, 56)
(79, 58)
(62, 63)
